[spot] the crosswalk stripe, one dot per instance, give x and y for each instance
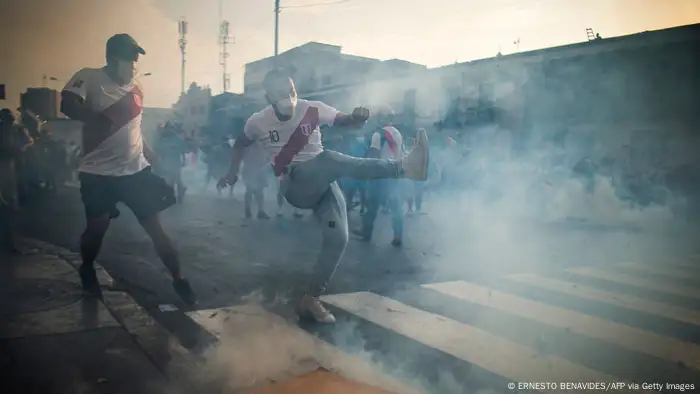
(262, 339)
(686, 264)
(509, 359)
(664, 270)
(628, 337)
(618, 299)
(644, 283)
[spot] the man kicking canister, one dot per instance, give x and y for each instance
(289, 128)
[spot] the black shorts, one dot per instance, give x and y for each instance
(145, 193)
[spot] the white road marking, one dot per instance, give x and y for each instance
(643, 283)
(506, 358)
(628, 337)
(668, 311)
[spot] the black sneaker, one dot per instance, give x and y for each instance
(262, 215)
(397, 242)
(88, 278)
(184, 290)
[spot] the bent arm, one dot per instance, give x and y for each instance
(345, 120)
(73, 106)
(332, 117)
(238, 152)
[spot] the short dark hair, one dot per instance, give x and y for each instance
(273, 75)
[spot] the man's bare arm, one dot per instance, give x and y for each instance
(356, 119)
(73, 106)
(345, 120)
(237, 153)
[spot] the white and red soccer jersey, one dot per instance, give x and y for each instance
(298, 139)
(117, 151)
(392, 146)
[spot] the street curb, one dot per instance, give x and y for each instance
(157, 343)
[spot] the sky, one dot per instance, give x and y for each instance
(58, 37)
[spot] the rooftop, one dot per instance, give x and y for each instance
(672, 34)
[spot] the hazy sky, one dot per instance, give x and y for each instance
(58, 37)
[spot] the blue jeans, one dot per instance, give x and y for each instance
(379, 191)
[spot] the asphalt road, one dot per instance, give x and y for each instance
(230, 259)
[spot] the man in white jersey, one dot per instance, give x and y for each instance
(387, 144)
(289, 128)
(116, 163)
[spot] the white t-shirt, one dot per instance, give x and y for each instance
(393, 143)
(119, 151)
(298, 139)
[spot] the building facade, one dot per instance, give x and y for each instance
(607, 88)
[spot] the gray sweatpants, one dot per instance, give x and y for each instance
(312, 185)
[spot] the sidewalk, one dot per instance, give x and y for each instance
(52, 340)
(55, 341)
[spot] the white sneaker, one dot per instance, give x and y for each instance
(280, 212)
(312, 307)
(415, 164)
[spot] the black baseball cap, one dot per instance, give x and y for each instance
(123, 46)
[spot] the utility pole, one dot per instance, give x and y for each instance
(277, 26)
(224, 40)
(182, 29)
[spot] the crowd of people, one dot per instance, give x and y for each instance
(32, 164)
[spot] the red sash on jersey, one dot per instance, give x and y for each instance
(297, 141)
(389, 138)
(120, 114)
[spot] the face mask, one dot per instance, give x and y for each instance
(286, 107)
(126, 71)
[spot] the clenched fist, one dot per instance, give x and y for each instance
(360, 114)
